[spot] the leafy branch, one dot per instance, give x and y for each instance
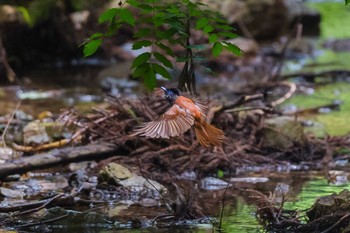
(160, 26)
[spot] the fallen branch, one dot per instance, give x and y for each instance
(292, 89)
(58, 157)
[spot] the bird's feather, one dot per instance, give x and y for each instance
(172, 123)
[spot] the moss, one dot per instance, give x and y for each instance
(335, 122)
(335, 19)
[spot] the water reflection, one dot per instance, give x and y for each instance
(300, 188)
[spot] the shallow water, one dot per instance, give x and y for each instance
(301, 189)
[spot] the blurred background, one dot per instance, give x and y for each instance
(289, 46)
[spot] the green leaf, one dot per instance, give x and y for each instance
(113, 28)
(224, 27)
(161, 70)
(145, 19)
(201, 23)
(229, 35)
(163, 60)
(159, 19)
(217, 48)
(141, 43)
(208, 29)
(143, 32)
(173, 10)
(213, 38)
(91, 47)
(167, 33)
(233, 48)
(133, 3)
(26, 16)
(141, 70)
(220, 173)
(150, 79)
(347, 2)
(145, 7)
(126, 16)
(182, 59)
(108, 15)
(140, 59)
(95, 35)
(220, 19)
(167, 49)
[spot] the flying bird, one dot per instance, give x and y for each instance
(180, 117)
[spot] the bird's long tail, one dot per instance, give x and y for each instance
(208, 134)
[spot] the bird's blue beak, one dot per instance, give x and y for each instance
(164, 89)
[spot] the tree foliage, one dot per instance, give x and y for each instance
(160, 26)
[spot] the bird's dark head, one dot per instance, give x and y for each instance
(171, 94)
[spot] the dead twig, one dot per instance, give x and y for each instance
(11, 75)
(242, 100)
(41, 222)
(337, 223)
(46, 203)
(8, 123)
(58, 156)
(48, 146)
(292, 89)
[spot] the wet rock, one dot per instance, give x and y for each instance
(149, 202)
(117, 174)
(114, 172)
(22, 116)
(117, 210)
(253, 180)
(338, 45)
(329, 205)
(82, 165)
(282, 133)
(338, 177)
(57, 130)
(10, 14)
(34, 133)
(41, 132)
(81, 181)
(212, 183)
(45, 115)
(188, 176)
(139, 182)
(341, 162)
(13, 194)
(6, 154)
(115, 78)
(3, 218)
(34, 95)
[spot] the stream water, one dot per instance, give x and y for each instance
(300, 188)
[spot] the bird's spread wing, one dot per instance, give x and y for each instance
(203, 108)
(173, 122)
